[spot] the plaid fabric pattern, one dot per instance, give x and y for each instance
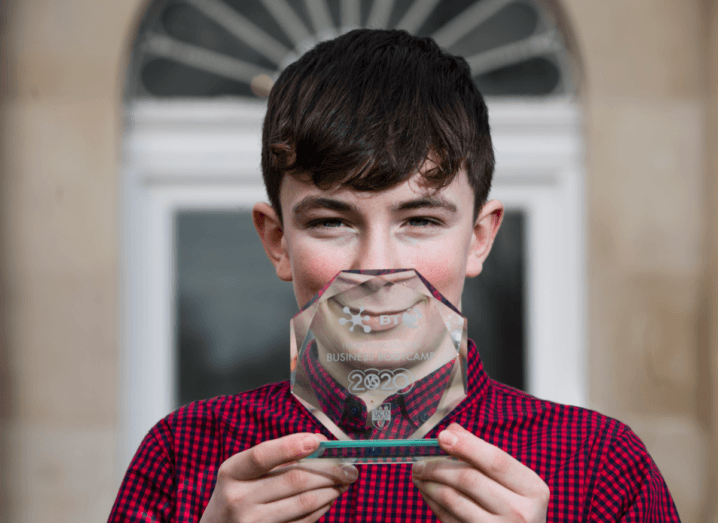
(408, 411)
(596, 468)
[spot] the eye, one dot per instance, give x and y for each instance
(422, 221)
(326, 223)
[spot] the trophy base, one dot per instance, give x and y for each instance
(378, 451)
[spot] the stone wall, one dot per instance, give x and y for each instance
(61, 127)
(645, 104)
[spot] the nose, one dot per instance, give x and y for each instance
(377, 251)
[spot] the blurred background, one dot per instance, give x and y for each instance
(132, 281)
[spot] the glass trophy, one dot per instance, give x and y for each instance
(379, 358)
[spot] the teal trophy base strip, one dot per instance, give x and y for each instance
(378, 451)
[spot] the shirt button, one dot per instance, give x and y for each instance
(423, 417)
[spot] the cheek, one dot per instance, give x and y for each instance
(311, 271)
(448, 282)
(446, 273)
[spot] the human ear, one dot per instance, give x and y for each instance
(269, 228)
(485, 228)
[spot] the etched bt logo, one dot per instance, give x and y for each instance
(409, 318)
(355, 319)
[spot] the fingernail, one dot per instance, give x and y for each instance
(350, 473)
(447, 438)
(309, 443)
(418, 467)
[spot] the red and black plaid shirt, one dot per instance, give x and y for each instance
(596, 468)
(408, 411)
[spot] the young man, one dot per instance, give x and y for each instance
(377, 155)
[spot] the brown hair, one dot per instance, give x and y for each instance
(367, 109)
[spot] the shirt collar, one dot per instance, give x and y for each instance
(418, 404)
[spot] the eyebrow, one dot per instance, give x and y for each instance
(427, 202)
(318, 202)
(311, 203)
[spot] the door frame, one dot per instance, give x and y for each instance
(205, 155)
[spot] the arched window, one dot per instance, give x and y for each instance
(204, 313)
(209, 48)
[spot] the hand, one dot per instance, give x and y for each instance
(487, 484)
(266, 484)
